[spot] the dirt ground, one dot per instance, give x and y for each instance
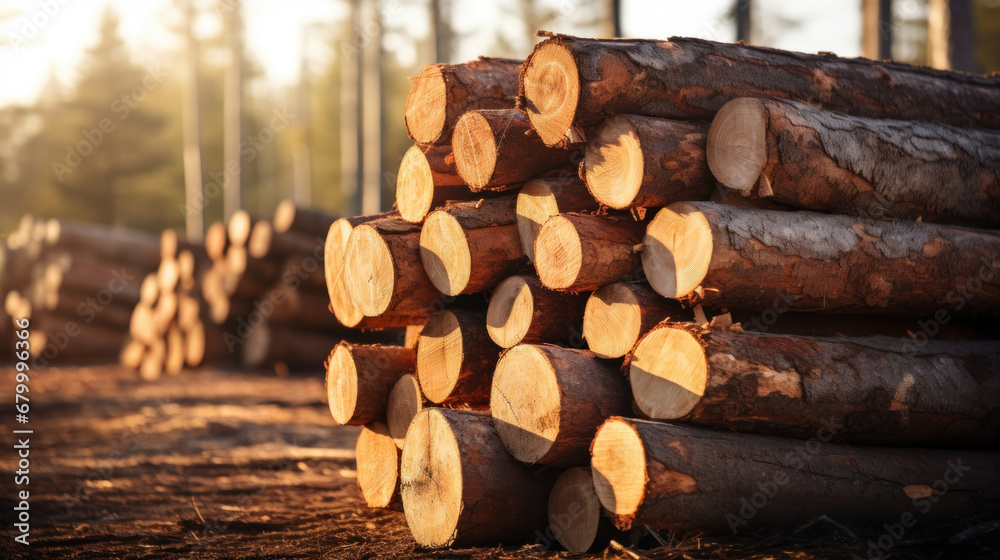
(216, 464)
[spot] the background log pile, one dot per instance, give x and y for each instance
(772, 257)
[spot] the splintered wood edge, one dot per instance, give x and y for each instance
(440, 354)
(475, 150)
(509, 315)
(668, 373)
(614, 163)
(377, 464)
(342, 384)
(618, 464)
(574, 510)
(405, 402)
(334, 251)
(736, 147)
(444, 252)
(551, 84)
(535, 204)
(426, 105)
(524, 402)
(558, 253)
(677, 250)
(414, 186)
(611, 321)
(369, 272)
(431, 479)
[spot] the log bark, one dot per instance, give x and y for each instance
(65, 340)
(405, 402)
(497, 150)
(547, 401)
(569, 85)
(266, 243)
(359, 379)
(468, 247)
(731, 257)
(427, 178)
(442, 93)
(797, 155)
(574, 510)
(636, 162)
(872, 390)
(459, 485)
(618, 314)
(581, 252)
(378, 466)
(540, 199)
(89, 308)
(670, 476)
(383, 272)
(271, 343)
(82, 274)
(306, 221)
(136, 248)
(455, 358)
(300, 307)
(522, 310)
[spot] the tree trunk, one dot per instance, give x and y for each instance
(857, 166)
(523, 311)
(378, 466)
(731, 257)
(874, 391)
(81, 274)
(618, 314)
(427, 178)
(61, 340)
(405, 402)
(496, 150)
(360, 378)
(468, 247)
(383, 272)
(459, 484)
(306, 221)
(581, 252)
(693, 78)
(547, 402)
(455, 358)
(670, 476)
(540, 199)
(442, 93)
(635, 162)
(299, 307)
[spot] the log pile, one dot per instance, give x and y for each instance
(708, 271)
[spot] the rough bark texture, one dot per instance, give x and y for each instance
(478, 359)
(486, 83)
(706, 480)
(607, 252)
(819, 262)
(878, 168)
(666, 159)
(378, 368)
(694, 78)
(541, 199)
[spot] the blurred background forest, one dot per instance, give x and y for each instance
(122, 112)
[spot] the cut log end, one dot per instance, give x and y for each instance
(369, 273)
(378, 465)
(558, 253)
(619, 467)
(612, 321)
(525, 419)
(216, 238)
(444, 251)
(668, 372)
(614, 163)
(511, 309)
(342, 384)
(333, 263)
(677, 250)
(535, 205)
(574, 510)
(259, 243)
(239, 227)
(405, 402)
(550, 79)
(431, 475)
(736, 148)
(415, 185)
(439, 356)
(284, 216)
(475, 150)
(426, 105)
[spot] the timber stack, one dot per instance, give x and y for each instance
(654, 279)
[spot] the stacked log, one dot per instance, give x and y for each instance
(733, 284)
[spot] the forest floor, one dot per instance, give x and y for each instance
(237, 465)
